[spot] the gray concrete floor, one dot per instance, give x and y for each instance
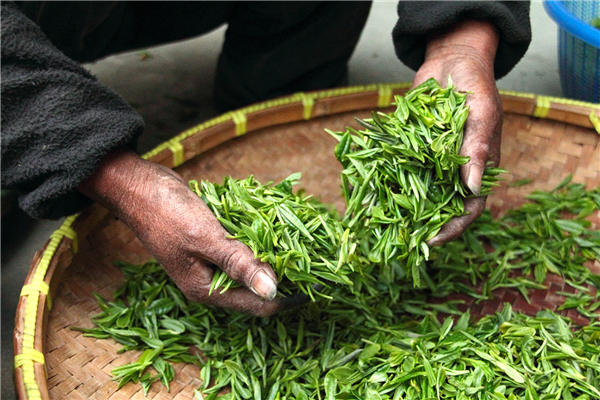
(170, 87)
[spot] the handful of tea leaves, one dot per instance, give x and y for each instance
(401, 176)
(300, 237)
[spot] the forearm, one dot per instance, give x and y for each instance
(58, 121)
(116, 181)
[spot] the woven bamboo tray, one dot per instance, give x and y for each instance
(543, 138)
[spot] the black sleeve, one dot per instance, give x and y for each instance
(58, 122)
(416, 19)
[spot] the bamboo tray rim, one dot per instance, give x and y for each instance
(35, 298)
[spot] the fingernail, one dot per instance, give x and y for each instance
(474, 179)
(263, 285)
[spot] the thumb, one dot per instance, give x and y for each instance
(238, 262)
(482, 137)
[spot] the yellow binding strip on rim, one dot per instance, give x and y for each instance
(385, 96)
(333, 93)
(28, 354)
(517, 94)
(570, 102)
(270, 104)
(68, 232)
(40, 287)
(308, 103)
(187, 133)
(177, 149)
(542, 107)
(546, 100)
(239, 119)
(359, 89)
(595, 121)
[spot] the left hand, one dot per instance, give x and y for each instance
(181, 232)
(466, 53)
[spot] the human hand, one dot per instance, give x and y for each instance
(181, 232)
(466, 53)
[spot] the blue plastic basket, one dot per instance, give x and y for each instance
(578, 47)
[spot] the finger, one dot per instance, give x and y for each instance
(457, 225)
(481, 138)
(242, 300)
(265, 305)
(195, 284)
(238, 262)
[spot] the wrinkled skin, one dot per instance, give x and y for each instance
(181, 232)
(466, 53)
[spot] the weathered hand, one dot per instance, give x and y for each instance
(466, 53)
(181, 232)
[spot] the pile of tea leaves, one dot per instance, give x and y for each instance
(351, 347)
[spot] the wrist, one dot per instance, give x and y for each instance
(468, 38)
(115, 183)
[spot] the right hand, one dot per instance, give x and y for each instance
(466, 52)
(184, 236)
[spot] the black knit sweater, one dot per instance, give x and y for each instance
(58, 121)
